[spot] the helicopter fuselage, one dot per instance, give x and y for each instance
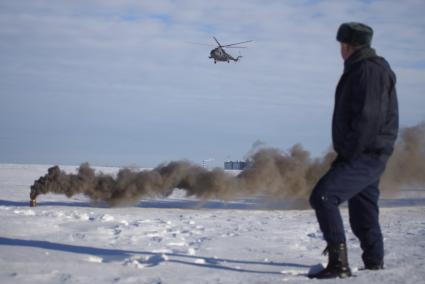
(219, 54)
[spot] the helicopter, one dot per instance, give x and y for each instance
(219, 54)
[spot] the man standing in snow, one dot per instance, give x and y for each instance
(364, 129)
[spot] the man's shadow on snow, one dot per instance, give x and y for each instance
(149, 259)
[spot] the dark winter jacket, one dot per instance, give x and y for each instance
(365, 118)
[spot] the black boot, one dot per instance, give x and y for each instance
(374, 266)
(337, 264)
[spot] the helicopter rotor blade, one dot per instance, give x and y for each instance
(217, 41)
(236, 43)
(236, 47)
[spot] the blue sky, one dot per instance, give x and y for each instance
(119, 83)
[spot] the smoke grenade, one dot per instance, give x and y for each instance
(288, 176)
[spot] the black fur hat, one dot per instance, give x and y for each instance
(355, 34)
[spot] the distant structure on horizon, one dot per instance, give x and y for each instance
(236, 165)
(205, 162)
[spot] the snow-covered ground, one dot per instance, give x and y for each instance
(176, 240)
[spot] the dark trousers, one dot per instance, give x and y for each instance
(357, 181)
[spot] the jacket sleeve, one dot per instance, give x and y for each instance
(365, 106)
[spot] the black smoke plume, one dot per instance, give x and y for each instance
(288, 176)
(406, 168)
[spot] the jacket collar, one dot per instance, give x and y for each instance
(359, 55)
